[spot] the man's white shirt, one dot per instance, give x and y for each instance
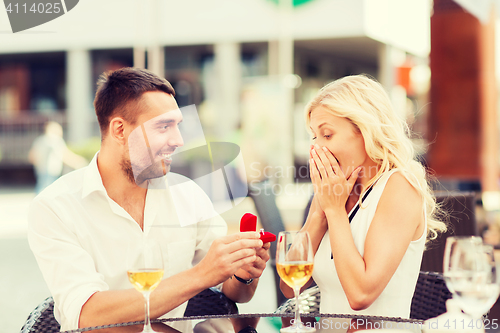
(81, 237)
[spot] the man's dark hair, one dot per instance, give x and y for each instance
(116, 89)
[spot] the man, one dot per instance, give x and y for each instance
(80, 226)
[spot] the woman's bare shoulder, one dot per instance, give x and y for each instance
(399, 185)
(400, 195)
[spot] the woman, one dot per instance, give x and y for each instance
(367, 258)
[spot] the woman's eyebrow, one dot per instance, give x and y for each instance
(324, 123)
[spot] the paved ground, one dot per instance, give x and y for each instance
(22, 286)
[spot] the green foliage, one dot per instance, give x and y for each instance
(295, 2)
(86, 148)
(275, 321)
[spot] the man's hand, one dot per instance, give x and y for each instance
(241, 292)
(230, 253)
(254, 270)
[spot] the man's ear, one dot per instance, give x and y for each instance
(116, 130)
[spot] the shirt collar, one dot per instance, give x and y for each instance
(92, 179)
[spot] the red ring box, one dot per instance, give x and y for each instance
(267, 237)
(249, 223)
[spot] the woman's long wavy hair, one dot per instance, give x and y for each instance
(364, 102)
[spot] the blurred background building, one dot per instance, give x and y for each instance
(248, 65)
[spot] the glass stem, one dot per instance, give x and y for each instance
(147, 322)
(296, 291)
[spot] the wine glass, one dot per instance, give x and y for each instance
(470, 274)
(145, 272)
(294, 263)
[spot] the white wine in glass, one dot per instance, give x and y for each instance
(145, 280)
(145, 272)
(294, 263)
(295, 273)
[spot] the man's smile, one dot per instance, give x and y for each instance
(166, 156)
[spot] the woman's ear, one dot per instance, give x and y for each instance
(117, 130)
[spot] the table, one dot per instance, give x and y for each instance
(326, 323)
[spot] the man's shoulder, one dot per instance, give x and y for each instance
(57, 200)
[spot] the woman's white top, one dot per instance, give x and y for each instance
(395, 300)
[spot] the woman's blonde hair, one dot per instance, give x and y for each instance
(364, 102)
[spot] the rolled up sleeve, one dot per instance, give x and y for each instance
(68, 269)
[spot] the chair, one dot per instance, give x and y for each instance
(208, 302)
(429, 299)
(462, 222)
(309, 301)
(270, 218)
(41, 319)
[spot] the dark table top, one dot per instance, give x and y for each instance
(225, 323)
(322, 322)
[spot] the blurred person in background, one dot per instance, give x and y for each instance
(373, 209)
(49, 154)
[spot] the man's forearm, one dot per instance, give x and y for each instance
(115, 306)
(238, 291)
(225, 257)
